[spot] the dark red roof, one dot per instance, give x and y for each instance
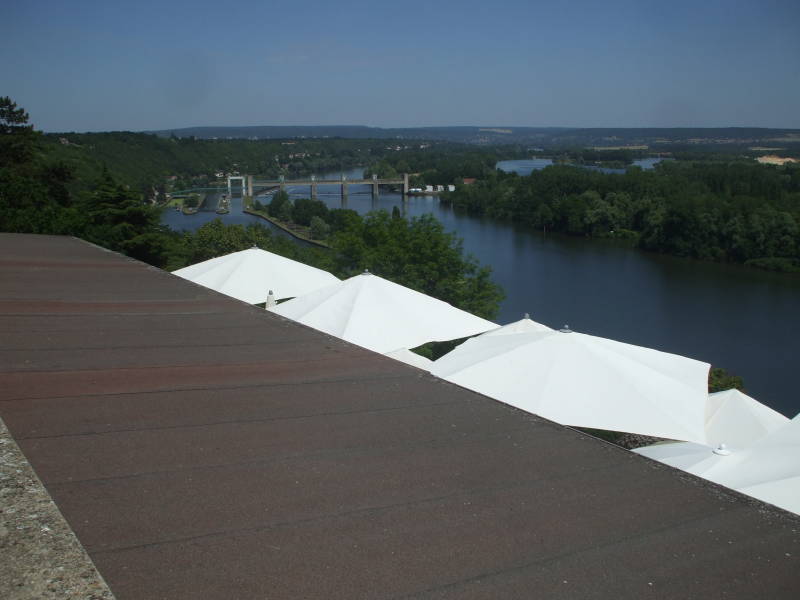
(204, 448)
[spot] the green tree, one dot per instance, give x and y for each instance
(419, 254)
(319, 228)
(118, 219)
(285, 212)
(217, 239)
(17, 137)
(543, 217)
(383, 169)
(279, 199)
(306, 209)
(721, 211)
(33, 193)
(343, 218)
(720, 380)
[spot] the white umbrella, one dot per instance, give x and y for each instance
(381, 315)
(737, 420)
(774, 457)
(583, 380)
(414, 359)
(784, 493)
(411, 358)
(689, 456)
(768, 469)
(524, 325)
(249, 274)
(733, 422)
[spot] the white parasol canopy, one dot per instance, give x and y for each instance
(734, 421)
(688, 456)
(737, 420)
(768, 469)
(411, 358)
(583, 380)
(380, 315)
(249, 275)
(524, 325)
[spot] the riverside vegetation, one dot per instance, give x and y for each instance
(725, 210)
(734, 212)
(40, 193)
(42, 190)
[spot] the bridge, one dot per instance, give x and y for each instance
(249, 184)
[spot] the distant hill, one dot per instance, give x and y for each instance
(450, 134)
(537, 136)
(275, 132)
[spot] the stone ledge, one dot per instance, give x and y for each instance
(42, 558)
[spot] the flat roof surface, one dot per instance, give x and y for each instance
(203, 448)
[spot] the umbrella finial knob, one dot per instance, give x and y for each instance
(722, 450)
(270, 302)
(565, 329)
(526, 316)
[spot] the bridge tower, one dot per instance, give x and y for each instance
(313, 187)
(374, 185)
(344, 185)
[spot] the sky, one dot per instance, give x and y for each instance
(81, 65)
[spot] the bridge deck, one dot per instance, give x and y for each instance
(203, 448)
(331, 182)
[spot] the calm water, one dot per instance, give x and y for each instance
(524, 167)
(741, 319)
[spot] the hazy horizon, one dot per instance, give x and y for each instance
(492, 126)
(97, 66)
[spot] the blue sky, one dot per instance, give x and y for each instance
(91, 66)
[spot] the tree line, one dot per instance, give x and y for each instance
(41, 193)
(722, 211)
(36, 196)
(144, 161)
(443, 164)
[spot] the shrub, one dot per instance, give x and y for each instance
(319, 228)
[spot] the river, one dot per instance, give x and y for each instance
(741, 319)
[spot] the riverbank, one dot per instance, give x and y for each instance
(299, 232)
(424, 193)
(596, 164)
(722, 313)
(197, 202)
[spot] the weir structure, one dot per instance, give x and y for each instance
(313, 182)
(247, 184)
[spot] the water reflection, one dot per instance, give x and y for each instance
(742, 319)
